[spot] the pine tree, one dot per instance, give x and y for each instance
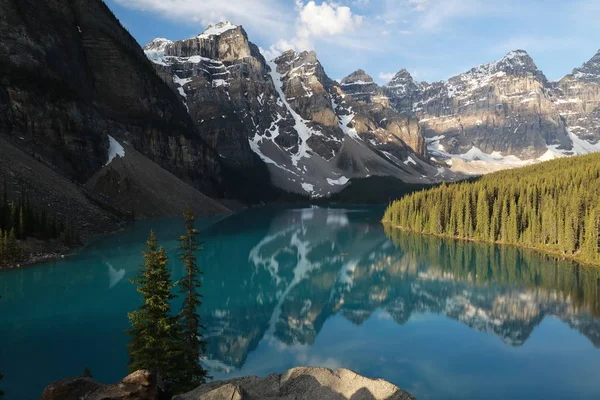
(154, 333)
(194, 345)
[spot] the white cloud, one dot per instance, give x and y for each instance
(419, 5)
(386, 76)
(327, 19)
(262, 16)
(317, 22)
(531, 44)
(438, 12)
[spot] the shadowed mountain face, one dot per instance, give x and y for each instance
(72, 79)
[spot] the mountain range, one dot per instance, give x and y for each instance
(316, 134)
(98, 128)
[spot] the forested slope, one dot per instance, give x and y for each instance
(552, 206)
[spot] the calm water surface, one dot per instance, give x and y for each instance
(323, 287)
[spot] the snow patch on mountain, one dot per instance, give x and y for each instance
(217, 30)
(114, 150)
(340, 181)
(300, 125)
(345, 116)
(476, 162)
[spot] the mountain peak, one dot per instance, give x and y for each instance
(402, 83)
(217, 30)
(157, 45)
(358, 77)
(517, 61)
(589, 70)
(402, 77)
(519, 53)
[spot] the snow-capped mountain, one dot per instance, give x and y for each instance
(312, 133)
(503, 114)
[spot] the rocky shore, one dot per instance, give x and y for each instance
(301, 383)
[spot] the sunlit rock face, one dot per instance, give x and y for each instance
(300, 383)
(579, 100)
(223, 80)
(504, 114)
(309, 268)
(505, 107)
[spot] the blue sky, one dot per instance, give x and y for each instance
(433, 39)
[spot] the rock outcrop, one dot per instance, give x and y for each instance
(300, 384)
(140, 385)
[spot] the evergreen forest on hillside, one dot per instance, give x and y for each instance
(552, 206)
(19, 221)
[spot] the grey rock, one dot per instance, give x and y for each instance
(302, 383)
(578, 100)
(140, 385)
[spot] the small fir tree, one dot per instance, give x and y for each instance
(154, 332)
(192, 339)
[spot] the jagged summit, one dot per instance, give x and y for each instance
(402, 83)
(158, 44)
(402, 75)
(588, 71)
(517, 62)
(217, 29)
(358, 77)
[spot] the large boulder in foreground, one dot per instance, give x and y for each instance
(141, 385)
(300, 384)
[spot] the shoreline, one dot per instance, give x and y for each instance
(566, 257)
(58, 252)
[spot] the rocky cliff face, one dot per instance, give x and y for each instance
(313, 134)
(72, 78)
(579, 101)
(504, 107)
(503, 114)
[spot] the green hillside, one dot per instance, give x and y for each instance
(552, 206)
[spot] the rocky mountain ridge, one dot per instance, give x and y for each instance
(504, 114)
(316, 134)
(312, 133)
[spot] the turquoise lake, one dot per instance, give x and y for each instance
(329, 287)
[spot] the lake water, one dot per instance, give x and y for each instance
(323, 287)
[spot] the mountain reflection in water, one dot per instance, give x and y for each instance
(331, 287)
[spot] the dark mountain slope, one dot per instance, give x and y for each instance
(72, 76)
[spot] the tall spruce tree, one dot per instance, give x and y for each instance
(193, 344)
(154, 332)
